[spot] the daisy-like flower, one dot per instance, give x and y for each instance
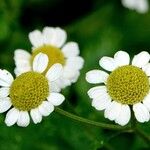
(125, 88)
(51, 41)
(141, 6)
(29, 93)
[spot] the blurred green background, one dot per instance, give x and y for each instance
(101, 27)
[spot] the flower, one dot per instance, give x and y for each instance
(51, 41)
(141, 6)
(29, 92)
(126, 88)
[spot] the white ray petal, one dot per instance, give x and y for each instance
(5, 104)
(54, 36)
(23, 119)
(46, 108)
(102, 102)
(40, 62)
(75, 63)
(146, 102)
(96, 76)
(141, 112)
(141, 59)
(97, 91)
(4, 92)
(124, 115)
(5, 78)
(12, 117)
(112, 111)
(56, 98)
(108, 63)
(54, 72)
(122, 58)
(59, 38)
(36, 115)
(48, 35)
(71, 49)
(142, 6)
(36, 38)
(146, 69)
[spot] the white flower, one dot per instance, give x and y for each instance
(51, 41)
(127, 86)
(29, 93)
(141, 6)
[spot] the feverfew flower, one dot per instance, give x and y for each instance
(51, 41)
(141, 6)
(29, 92)
(125, 88)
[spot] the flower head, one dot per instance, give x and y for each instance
(126, 86)
(51, 41)
(29, 92)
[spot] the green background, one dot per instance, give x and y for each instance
(101, 27)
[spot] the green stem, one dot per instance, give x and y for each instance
(133, 120)
(90, 122)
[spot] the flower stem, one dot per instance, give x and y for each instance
(133, 120)
(89, 122)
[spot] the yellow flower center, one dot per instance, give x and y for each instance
(54, 54)
(29, 90)
(128, 85)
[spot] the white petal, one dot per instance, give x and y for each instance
(96, 76)
(122, 58)
(146, 102)
(5, 78)
(22, 61)
(97, 91)
(54, 36)
(71, 49)
(4, 92)
(75, 63)
(141, 59)
(59, 37)
(141, 112)
(101, 102)
(112, 111)
(54, 72)
(146, 69)
(12, 117)
(70, 73)
(23, 119)
(19, 70)
(48, 35)
(131, 4)
(107, 63)
(5, 104)
(124, 115)
(40, 62)
(74, 78)
(142, 6)
(56, 98)
(46, 108)
(36, 115)
(54, 87)
(21, 54)
(36, 38)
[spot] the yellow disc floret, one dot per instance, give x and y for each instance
(29, 90)
(54, 54)
(128, 85)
